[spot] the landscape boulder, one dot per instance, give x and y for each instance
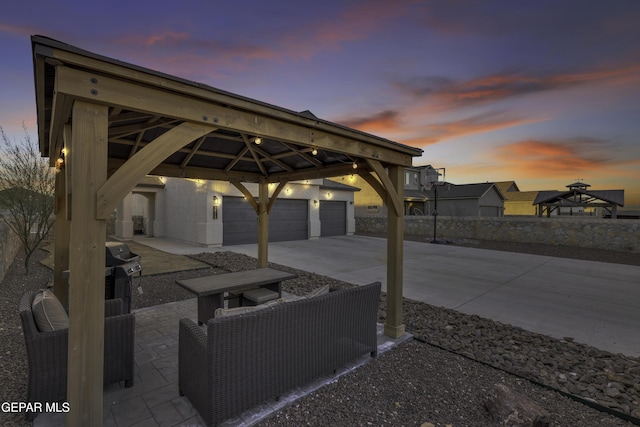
(509, 408)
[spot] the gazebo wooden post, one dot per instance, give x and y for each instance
(61, 229)
(86, 265)
(395, 240)
(263, 224)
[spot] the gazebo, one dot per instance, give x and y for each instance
(577, 196)
(106, 124)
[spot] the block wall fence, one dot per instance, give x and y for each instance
(610, 234)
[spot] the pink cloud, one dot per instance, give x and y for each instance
(562, 158)
(448, 94)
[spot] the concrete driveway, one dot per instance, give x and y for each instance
(595, 303)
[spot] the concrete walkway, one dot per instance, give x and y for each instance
(595, 303)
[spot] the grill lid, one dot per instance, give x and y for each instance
(118, 253)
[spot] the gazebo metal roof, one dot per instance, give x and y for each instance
(113, 123)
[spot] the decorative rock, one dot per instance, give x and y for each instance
(512, 409)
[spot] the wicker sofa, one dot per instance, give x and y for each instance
(47, 352)
(244, 360)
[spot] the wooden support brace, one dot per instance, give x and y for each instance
(247, 194)
(392, 194)
(143, 162)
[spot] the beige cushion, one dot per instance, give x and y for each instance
(226, 312)
(260, 295)
(48, 312)
(317, 292)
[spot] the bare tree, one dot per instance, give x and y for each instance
(27, 189)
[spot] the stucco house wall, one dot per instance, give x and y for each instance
(183, 209)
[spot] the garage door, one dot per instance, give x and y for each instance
(333, 218)
(288, 220)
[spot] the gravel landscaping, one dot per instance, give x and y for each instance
(442, 377)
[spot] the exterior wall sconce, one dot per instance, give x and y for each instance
(60, 160)
(315, 203)
(328, 195)
(59, 164)
(216, 203)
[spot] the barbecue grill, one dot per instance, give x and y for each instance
(121, 266)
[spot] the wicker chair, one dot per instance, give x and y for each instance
(247, 359)
(47, 353)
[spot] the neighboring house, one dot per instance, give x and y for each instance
(215, 213)
(517, 202)
(579, 200)
(453, 200)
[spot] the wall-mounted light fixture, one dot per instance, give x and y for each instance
(328, 195)
(314, 152)
(315, 203)
(287, 191)
(257, 140)
(216, 203)
(60, 160)
(59, 164)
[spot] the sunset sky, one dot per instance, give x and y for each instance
(540, 92)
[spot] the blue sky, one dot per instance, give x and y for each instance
(543, 93)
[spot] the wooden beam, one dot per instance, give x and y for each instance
(194, 172)
(59, 117)
(61, 241)
(237, 158)
(195, 148)
(302, 153)
(254, 154)
(393, 326)
(141, 163)
(312, 173)
(86, 265)
(263, 225)
(394, 200)
(152, 123)
(269, 158)
(213, 95)
(98, 88)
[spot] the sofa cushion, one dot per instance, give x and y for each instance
(317, 292)
(48, 312)
(226, 312)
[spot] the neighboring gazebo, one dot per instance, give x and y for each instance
(106, 124)
(579, 196)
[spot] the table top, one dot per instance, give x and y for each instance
(233, 281)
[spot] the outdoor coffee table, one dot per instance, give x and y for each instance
(211, 289)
